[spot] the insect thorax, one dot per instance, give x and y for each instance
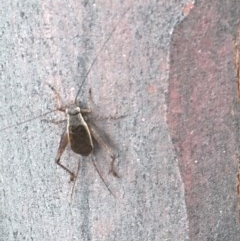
(73, 109)
(74, 115)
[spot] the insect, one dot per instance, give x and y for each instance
(78, 133)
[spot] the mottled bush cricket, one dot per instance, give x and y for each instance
(78, 133)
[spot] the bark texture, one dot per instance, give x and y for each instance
(143, 84)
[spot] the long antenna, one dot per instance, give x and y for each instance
(99, 52)
(30, 119)
(100, 175)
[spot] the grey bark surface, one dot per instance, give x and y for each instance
(55, 42)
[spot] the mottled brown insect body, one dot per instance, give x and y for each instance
(78, 132)
(79, 135)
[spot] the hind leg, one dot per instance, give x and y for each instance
(107, 148)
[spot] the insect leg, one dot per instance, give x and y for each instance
(78, 168)
(109, 150)
(101, 118)
(89, 108)
(62, 145)
(85, 111)
(55, 122)
(100, 175)
(58, 98)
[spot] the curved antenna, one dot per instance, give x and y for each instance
(30, 119)
(99, 52)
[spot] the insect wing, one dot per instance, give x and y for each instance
(80, 139)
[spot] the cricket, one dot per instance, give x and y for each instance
(78, 133)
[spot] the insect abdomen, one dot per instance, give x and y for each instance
(80, 140)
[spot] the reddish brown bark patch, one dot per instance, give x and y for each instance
(202, 117)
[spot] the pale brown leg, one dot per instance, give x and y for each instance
(57, 98)
(86, 111)
(78, 168)
(58, 107)
(100, 175)
(100, 118)
(55, 122)
(89, 100)
(63, 143)
(89, 108)
(109, 150)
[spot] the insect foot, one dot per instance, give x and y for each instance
(113, 169)
(62, 146)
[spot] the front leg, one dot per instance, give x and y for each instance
(58, 99)
(55, 122)
(62, 146)
(89, 106)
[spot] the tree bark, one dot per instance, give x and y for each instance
(124, 50)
